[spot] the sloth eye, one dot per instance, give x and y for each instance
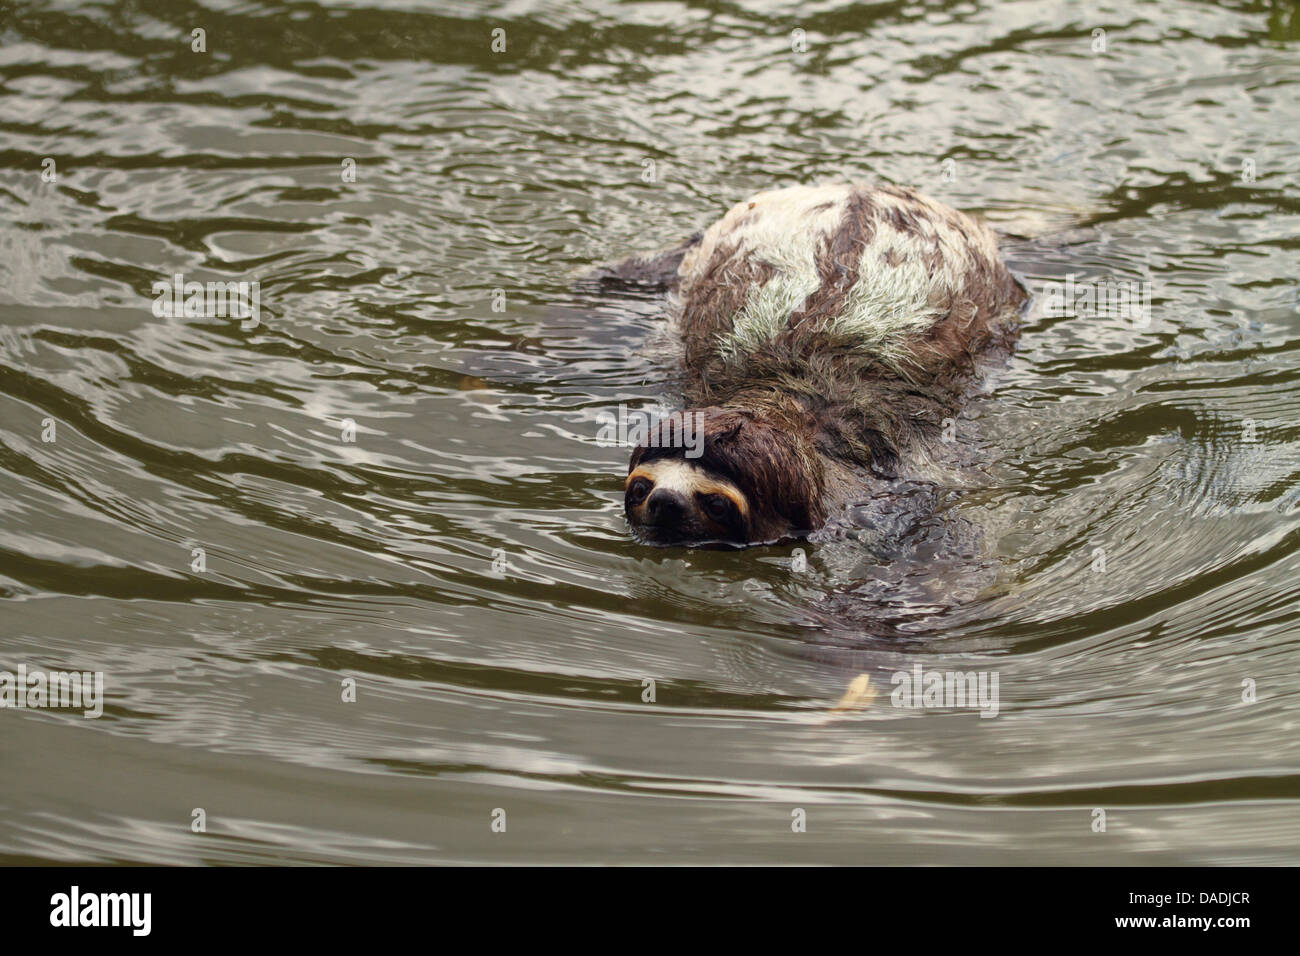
(717, 507)
(637, 491)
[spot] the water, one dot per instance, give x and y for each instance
(1170, 156)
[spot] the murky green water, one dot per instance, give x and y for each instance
(1171, 157)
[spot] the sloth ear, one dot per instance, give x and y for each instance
(731, 432)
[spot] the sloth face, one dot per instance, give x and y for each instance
(675, 501)
(745, 481)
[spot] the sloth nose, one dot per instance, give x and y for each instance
(665, 506)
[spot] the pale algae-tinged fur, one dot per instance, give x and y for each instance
(785, 228)
(887, 305)
(766, 312)
(900, 292)
(781, 229)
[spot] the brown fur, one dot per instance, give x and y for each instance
(774, 467)
(791, 421)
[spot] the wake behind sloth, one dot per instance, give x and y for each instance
(827, 334)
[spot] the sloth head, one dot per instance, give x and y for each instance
(720, 476)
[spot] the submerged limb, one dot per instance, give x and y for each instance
(638, 275)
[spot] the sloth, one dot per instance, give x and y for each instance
(827, 335)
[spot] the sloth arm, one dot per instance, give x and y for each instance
(644, 274)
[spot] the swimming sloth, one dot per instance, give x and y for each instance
(828, 334)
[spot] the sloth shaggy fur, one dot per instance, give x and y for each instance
(827, 332)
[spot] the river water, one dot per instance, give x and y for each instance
(393, 487)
